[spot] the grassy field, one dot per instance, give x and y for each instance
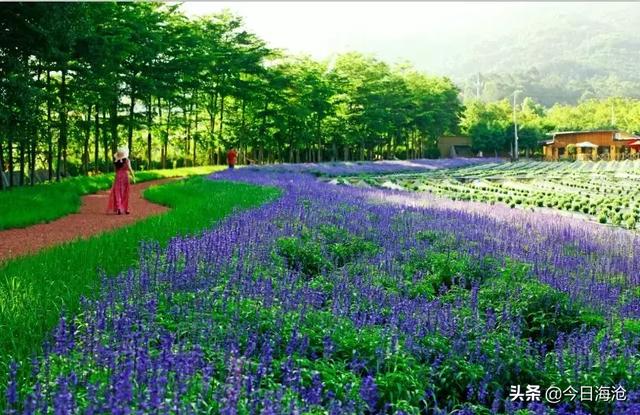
(24, 206)
(35, 289)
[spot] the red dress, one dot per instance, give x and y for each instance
(119, 197)
(232, 158)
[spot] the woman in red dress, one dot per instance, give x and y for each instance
(119, 197)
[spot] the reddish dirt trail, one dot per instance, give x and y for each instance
(91, 220)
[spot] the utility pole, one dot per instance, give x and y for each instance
(515, 125)
(478, 86)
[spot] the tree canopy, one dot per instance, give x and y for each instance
(80, 79)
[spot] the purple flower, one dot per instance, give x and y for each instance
(369, 392)
(313, 394)
(63, 402)
(12, 388)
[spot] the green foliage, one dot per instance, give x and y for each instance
(440, 268)
(432, 152)
(487, 125)
(303, 255)
(594, 114)
(546, 312)
(343, 247)
(323, 249)
(90, 68)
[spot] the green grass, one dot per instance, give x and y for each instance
(24, 206)
(35, 289)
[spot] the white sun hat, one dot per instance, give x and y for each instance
(122, 153)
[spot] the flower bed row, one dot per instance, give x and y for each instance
(607, 197)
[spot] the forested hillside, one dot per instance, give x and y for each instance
(565, 56)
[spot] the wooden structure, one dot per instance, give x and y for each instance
(589, 145)
(455, 146)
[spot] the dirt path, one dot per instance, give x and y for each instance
(92, 219)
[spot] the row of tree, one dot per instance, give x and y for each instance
(79, 79)
(492, 129)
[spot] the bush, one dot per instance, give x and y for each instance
(432, 152)
(326, 248)
(302, 255)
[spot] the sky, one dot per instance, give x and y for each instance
(384, 29)
(428, 34)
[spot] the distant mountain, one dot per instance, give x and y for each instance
(575, 52)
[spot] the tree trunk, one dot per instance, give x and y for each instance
(105, 141)
(131, 113)
(243, 138)
(149, 111)
(212, 139)
(195, 134)
(34, 139)
(62, 139)
(162, 158)
(96, 153)
(49, 133)
(10, 154)
(406, 147)
(32, 161)
(2, 187)
(165, 142)
(213, 105)
(318, 125)
(1, 165)
(22, 150)
(220, 129)
(87, 137)
(187, 140)
(263, 131)
(113, 118)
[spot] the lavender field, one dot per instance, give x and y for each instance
(346, 300)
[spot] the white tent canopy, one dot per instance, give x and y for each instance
(586, 144)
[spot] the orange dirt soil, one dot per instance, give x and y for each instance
(91, 220)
